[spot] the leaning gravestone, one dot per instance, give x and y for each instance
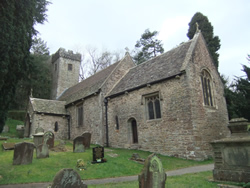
(87, 139)
(153, 174)
(48, 138)
(68, 178)
(23, 153)
(42, 151)
(78, 146)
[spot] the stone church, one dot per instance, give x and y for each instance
(172, 104)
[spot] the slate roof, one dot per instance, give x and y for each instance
(159, 68)
(88, 86)
(48, 106)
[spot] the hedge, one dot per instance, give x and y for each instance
(17, 115)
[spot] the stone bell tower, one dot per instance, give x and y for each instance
(65, 71)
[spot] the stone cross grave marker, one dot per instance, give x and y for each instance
(153, 174)
(48, 138)
(68, 178)
(87, 139)
(98, 154)
(42, 151)
(78, 146)
(23, 153)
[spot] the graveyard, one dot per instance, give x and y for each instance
(114, 163)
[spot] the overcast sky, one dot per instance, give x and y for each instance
(117, 24)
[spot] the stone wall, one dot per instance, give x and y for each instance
(92, 119)
(186, 126)
(172, 134)
(209, 122)
(62, 78)
(47, 122)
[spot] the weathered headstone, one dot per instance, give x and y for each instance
(87, 139)
(23, 153)
(232, 154)
(42, 151)
(68, 178)
(48, 138)
(153, 174)
(20, 131)
(78, 146)
(39, 130)
(38, 138)
(98, 154)
(6, 129)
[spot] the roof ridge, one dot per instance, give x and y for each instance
(174, 48)
(190, 50)
(118, 63)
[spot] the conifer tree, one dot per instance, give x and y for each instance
(213, 42)
(147, 47)
(17, 20)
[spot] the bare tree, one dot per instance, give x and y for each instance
(93, 60)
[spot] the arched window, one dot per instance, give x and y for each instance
(153, 106)
(56, 127)
(206, 82)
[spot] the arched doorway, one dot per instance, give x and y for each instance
(132, 131)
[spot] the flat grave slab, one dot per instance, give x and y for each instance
(8, 146)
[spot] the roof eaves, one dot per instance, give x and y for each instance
(143, 85)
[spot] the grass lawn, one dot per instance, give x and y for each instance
(196, 180)
(44, 170)
(118, 164)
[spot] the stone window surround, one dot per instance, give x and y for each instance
(70, 67)
(79, 107)
(143, 101)
(210, 101)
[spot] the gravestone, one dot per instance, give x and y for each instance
(39, 130)
(68, 178)
(6, 129)
(38, 138)
(87, 139)
(98, 154)
(153, 174)
(78, 146)
(42, 151)
(20, 131)
(23, 153)
(8, 146)
(48, 138)
(232, 154)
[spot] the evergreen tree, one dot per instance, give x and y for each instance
(147, 47)
(17, 20)
(242, 91)
(213, 42)
(39, 79)
(237, 95)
